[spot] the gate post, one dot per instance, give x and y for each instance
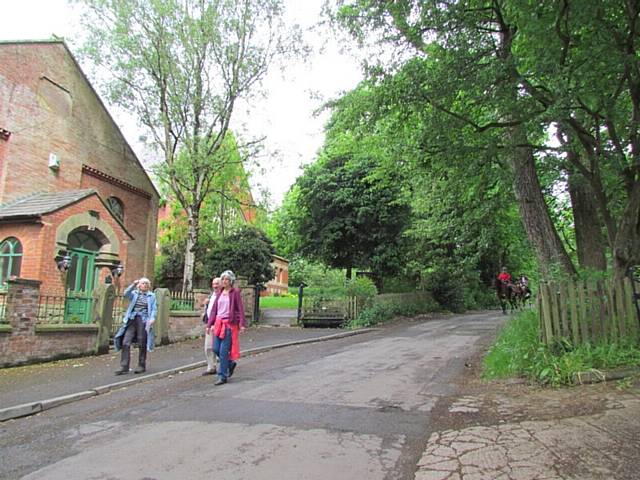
(163, 300)
(102, 315)
(300, 295)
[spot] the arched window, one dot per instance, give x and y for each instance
(10, 259)
(117, 207)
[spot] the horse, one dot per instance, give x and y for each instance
(506, 295)
(522, 290)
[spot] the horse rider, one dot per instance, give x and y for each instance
(504, 276)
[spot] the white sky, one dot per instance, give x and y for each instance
(285, 116)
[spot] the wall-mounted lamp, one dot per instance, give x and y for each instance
(64, 263)
(117, 270)
(4, 134)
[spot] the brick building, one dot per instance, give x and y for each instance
(76, 205)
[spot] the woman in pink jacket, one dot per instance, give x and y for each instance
(227, 321)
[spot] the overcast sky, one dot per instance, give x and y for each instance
(285, 117)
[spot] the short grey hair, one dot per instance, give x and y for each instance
(230, 275)
(144, 280)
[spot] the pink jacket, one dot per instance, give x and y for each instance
(236, 309)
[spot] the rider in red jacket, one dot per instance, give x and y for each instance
(504, 275)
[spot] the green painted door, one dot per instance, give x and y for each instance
(83, 247)
(80, 282)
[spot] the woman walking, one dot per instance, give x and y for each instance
(227, 320)
(137, 325)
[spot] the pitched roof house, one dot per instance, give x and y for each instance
(76, 205)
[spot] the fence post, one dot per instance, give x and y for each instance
(163, 300)
(300, 296)
(256, 302)
(102, 315)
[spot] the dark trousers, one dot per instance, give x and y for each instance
(135, 330)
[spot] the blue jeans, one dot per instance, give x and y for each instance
(222, 348)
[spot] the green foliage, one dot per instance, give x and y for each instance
(486, 100)
(341, 213)
(383, 308)
(247, 252)
(362, 288)
(518, 351)
(182, 306)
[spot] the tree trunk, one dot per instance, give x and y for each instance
(626, 252)
(534, 212)
(590, 242)
(193, 217)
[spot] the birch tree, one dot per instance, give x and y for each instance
(181, 67)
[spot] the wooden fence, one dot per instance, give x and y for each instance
(585, 311)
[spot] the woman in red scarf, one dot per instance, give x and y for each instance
(227, 320)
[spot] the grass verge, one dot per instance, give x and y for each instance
(518, 352)
(286, 302)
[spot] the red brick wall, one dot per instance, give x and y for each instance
(39, 246)
(185, 326)
(140, 215)
(23, 343)
(49, 106)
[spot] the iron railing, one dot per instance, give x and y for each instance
(56, 309)
(183, 301)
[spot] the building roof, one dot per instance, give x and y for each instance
(34, 205)
(40, 203)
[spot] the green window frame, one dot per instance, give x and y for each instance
(10, 259)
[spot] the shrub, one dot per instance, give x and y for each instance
(447, 288)
(385, 307)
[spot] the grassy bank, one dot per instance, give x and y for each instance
(518, 352)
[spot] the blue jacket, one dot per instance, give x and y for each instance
(131, 293)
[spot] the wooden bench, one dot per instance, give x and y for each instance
(323, 318)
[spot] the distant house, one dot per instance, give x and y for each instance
(76, 205)
(279, 285)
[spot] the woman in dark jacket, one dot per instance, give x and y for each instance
(227, 320)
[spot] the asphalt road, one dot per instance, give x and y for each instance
(354, 408)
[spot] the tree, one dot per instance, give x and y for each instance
(247, 252)
(345, 215)
(463, 226)
(180, 67)
(521, 68)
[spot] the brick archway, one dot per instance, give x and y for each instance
(109, 252)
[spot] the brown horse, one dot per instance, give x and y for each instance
(506, 295)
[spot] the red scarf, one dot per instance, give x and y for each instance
(220, 330)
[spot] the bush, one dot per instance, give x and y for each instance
(385, 307)
(447, 288)
(362, 288)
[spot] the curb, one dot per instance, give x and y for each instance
(32, 408)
